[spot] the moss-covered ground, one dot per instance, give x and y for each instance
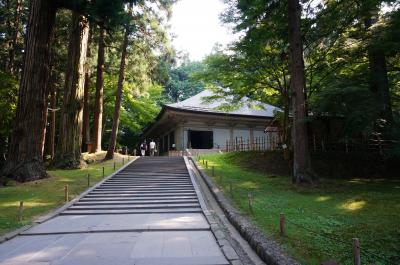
(321, 220)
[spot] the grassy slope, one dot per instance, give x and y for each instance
(44, 195)
(342, 209)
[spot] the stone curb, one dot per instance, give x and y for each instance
(268, 250)
(62, 208)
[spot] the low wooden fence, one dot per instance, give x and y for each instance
(266, 143)
(375, 145)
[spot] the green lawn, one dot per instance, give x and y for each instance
(44, 195)
(321, 221)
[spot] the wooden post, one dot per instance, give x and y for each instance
(88, 180)
(206, 164)
(282, 223)
(213, 171)
(203, 161)
(380, 145)
(250, 198)
(356, 251)
(20, 211)
(114, 165)
(66, 197)
(315, 143)
(103, 172)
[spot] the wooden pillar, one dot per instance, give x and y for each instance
(251, 138)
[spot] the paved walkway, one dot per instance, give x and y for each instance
(148, 213)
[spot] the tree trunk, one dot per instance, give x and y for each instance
(379, 83)
(68, 154)
(25, 161)
(15, 34)
(98, 107)
(86, 101)
(118, 99)
(51, 135)
(301, 160)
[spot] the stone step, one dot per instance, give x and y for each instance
(132, 211)
(122, 199)
(138, 196)
(138, 186)
(142, 192)
(132, 202)
(147, 188)
(133, 206)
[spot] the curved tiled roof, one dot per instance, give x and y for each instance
(247, 107)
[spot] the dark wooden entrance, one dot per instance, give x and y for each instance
(200, 139)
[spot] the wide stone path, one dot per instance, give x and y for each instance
(148, 213)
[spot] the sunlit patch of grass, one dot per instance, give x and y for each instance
(352, 205)
(342, 209)
(44, 195)
(26, 204)
(323, 198)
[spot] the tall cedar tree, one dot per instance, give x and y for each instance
(379, 82)
(301, 159)
(25, 154)
(86, 101)
(98, 106)
(118, 97)
(68, 154)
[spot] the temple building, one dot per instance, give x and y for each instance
(198, 123)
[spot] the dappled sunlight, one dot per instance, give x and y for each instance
(352, 205)
(177, 221)
(323, 198)
(248, 185)
(26, 204)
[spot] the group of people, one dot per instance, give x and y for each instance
(151, 147)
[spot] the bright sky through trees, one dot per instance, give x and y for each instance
(197, 28)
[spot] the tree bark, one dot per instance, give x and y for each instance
(86, 101)
(68, 154)
(51, 135)
(301, 160)
(15, 34)
(25, 161)
(379, 82)
(118, 98)
(98, 107)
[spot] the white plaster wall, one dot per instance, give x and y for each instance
(244, 133)
(259, 133)
(220, 137)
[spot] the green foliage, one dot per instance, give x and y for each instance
(181, 84)
(8, 105)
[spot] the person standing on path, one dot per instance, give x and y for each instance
(143, 148)
(152, 147)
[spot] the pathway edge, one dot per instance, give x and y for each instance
(267, 249)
